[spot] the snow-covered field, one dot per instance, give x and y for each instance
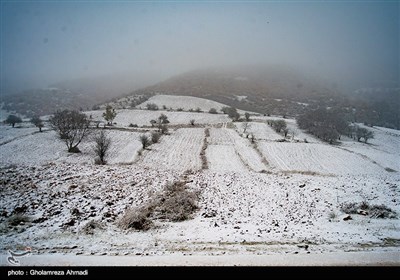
(292, 127)
(143, 117)
(266, 198)
(8, 133)
(261, 131)
(319, 158)
(178, 151)
(227, 151)
(27, 146)
(185, 102)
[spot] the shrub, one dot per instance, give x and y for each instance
(155, 137)
(152, 106)
(349, 208)
(136, 218)
(176, 203)
(390, 169)
(18, 219)
(382, 212)
(133, 125)
(192, 122)
(332, 215)
(179, 109)
(232, 113)
(374, 211)
(91, 226)
(213, 111)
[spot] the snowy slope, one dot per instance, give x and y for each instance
(184, 102)
(8, 133)
(142, 117)
(384, 148)
(240, 212)
(299, 134)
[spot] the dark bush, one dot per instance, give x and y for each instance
(155, 137)
(213, 111)
(374, 211)
(136, 218)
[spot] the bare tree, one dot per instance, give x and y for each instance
(279, 125)
(252, 138)
(293, 132)
(37, 122)
(245, 125)
(362, 132)
(102, 145)
(144, 140)
(72, 127)
(285, 131)
(326, 124)
(368, 135)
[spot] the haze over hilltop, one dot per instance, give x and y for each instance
(351, 46)
(47, 42)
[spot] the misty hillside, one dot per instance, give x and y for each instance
(275, 90)
(44, 101)
(272, 90)
(282, 91)
(79, 94)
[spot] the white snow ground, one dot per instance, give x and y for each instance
(246, 206)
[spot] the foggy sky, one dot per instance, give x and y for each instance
(47, 42)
